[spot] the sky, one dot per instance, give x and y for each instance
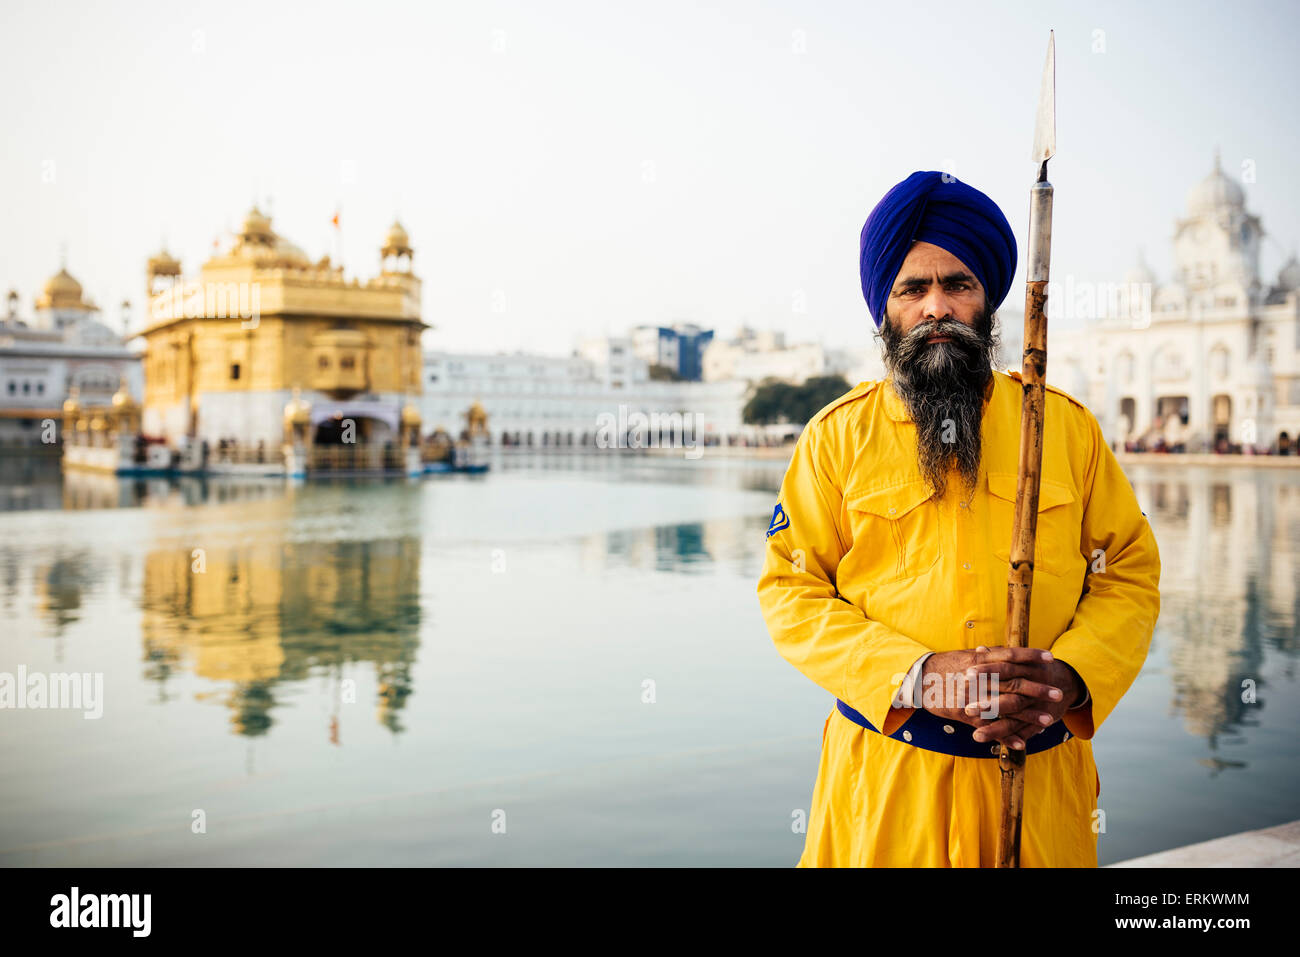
(569, 169)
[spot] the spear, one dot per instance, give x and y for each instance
(1020, 579)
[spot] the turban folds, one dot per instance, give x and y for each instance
(952, 216)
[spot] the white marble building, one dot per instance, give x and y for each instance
(556, 401)
(1205, 358)
(64, 346)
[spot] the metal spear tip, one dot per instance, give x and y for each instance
(1045, 122)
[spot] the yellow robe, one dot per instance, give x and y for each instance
(865, 571)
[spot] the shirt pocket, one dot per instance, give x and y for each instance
(895, 531)
(1056, 537)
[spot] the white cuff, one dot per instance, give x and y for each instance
(909, 689)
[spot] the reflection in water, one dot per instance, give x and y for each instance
(615, 568)
(258, 615)
(62, 583)
(682, 548)
(1229, 541)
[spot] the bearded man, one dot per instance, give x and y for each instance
(885, 575)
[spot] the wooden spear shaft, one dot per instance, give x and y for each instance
(1019, 583)
(1020, 578)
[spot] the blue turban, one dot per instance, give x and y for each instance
(952, 216)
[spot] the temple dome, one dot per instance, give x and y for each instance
(1216, 191)
(122, 397)
(61, 291)
(164, 264)
(397, 242)
(397, 235)
(264, 246)
(256, 225)
(1140, 273)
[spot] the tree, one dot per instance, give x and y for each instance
(775, 401)
(660, 373)
(815, 394)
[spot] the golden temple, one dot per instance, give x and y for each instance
(272, 362)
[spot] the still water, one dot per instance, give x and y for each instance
(560, 662)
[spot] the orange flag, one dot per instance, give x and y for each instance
(335, 220)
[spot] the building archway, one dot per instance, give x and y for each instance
(1221, 420)
(353, 443)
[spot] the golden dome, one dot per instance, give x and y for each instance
(164, 264)
(410, 415)
(397, 242)
(98, 424)
(122, 397)
(61, 292)
(70, 405)
(259, 243)
(257, 225)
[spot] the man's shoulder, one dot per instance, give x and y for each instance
(847, 401)
(1053, 390)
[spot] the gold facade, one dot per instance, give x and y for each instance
(263, 318)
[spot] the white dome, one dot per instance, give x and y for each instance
(1215, 192)
(1140, 273)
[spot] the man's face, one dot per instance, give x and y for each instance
(939, 344)
(933, 284)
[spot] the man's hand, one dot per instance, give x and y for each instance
(944, 672)
(1034, 690)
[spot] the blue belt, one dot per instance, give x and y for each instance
(931, 732)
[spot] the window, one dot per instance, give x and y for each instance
(347, 362)
(323, 362)
(40, 388)
(234, 370)
(13, 387)
(27, 387)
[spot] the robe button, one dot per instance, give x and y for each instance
(966, 565)
(1067, 736)
(892, 511)
(995, 749)
(907, 735)
(970, 624)
(947, 729)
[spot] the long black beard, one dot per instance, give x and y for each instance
(942, 385)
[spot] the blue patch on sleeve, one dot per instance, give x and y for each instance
(779, 521)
